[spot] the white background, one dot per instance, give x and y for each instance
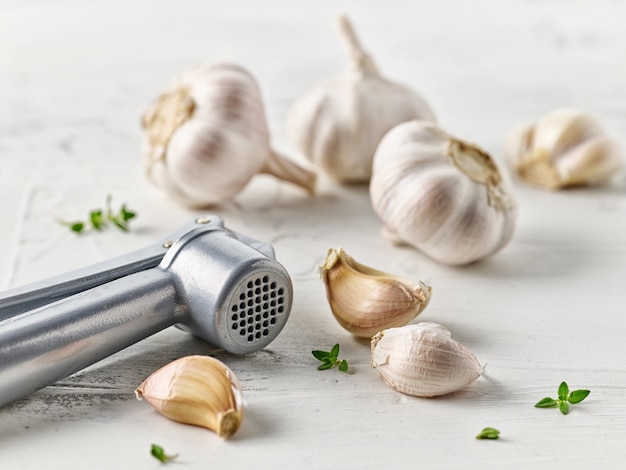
(74, 79)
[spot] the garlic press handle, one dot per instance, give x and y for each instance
(28, 297)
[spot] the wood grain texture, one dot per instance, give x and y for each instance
(74, 78)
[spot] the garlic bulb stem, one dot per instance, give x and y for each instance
(361, 60)
(287, 170)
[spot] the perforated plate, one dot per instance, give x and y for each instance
(258, 309)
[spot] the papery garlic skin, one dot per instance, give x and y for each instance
(338, 124)
(564, 148)
(206, 136)
(441, 195)
(198, 390)
(423, 360)
(364, 300)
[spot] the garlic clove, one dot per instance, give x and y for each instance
(206, 136)
(364, 300)
(197, 390)
(338, 124)
(444, 196)
(566, 147)
(423, 360)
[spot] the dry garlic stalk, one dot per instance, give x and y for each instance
(364, 300)
(440, 194)
(564, 148)
(206, 136)
(423, 360)
(338, 124)
(198, 390)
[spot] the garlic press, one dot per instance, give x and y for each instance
(217, 284)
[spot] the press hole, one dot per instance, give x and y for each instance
(250, 329)
(242, 296)
(257, 318)
(273, 294)
(250, 293)
(273, 321)
(258, 335)
(266, 279)
(273, 312)
(250, 285)
(265, 288)
(281, 309)
(242, 324)
(258, 326)
(250, 338)
(266, 332)
(250, 302)
(281, 300)
(257, 309)
(242, 332)
(234, 308)
(273, 285)
(257, 291)
(265, 314)
(281, 291)
(234, 317)
(265, 324)
(242, 305)
(235, 326)
(257, 282)
(250, 311)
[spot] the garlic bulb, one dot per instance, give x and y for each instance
(423, 360)
(566, 147)
(442, 195)
(206, 136)
(364, 300)
(338, 124)
(198, 390)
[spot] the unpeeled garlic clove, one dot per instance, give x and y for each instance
(338, 124)
(365, 300)
(206, 136)
(423, 360)
(444, 196)
(198, 390)
(566, 147)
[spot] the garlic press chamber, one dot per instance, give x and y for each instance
(217, 284)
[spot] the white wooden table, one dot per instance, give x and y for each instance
(74, 78)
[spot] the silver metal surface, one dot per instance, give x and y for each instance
(219, 285)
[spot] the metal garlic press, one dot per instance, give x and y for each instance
(222, 286)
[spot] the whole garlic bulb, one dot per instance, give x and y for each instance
(206, 136)
(198, 390)
(364, 300)
(566, 147)
(441, 195)
(423, 360)
(338, 124)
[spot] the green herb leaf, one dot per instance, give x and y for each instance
(158, 453)
(546, 403)
(95, 217)
(330, 359)
(99, 219)
(325, 365)
(488, 433)
(77, 227)
(577, 396)
(321, 355)
(565, 398)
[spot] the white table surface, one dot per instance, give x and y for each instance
(74, 78)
